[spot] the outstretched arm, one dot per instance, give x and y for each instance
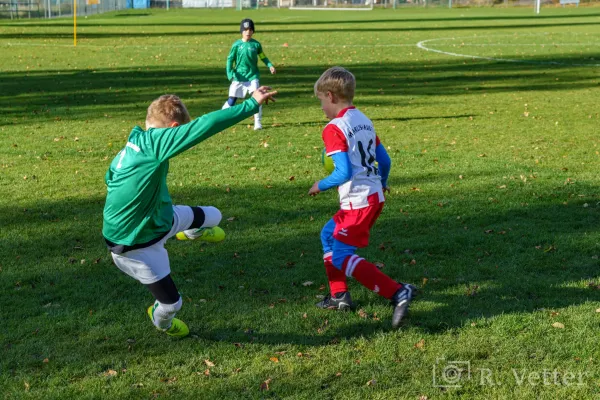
(169, 142)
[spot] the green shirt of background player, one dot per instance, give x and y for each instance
(139, 215)
(242, 67)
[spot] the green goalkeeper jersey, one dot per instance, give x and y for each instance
(242, 61)
(138, 206)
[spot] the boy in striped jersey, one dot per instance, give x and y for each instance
(351, 141)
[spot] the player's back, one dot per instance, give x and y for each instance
(361, 140)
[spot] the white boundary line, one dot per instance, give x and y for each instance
(422, 46)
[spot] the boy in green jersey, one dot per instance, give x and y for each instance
(242, 67)
(139, 216)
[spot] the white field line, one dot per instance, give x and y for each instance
(422, 46)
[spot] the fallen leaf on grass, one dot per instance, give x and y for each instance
(420, 344)
(26, 386)
(265, 384)
(209, 363)
(307, 283)
(558, 325)
(372, 382)
(274, 359)
(206, 372)
(110, 372)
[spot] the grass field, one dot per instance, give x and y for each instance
(493, 213)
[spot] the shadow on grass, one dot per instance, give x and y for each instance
(87, 94)
(509, 260)
(400, 28)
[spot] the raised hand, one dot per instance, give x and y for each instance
(263, 94)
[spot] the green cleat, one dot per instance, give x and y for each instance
(178, 328)
(211, 235)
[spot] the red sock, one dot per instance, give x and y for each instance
(370, 276)
(337, 279)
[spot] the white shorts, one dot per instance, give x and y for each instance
(241, 89)
(151, 264)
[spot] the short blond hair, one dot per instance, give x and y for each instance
(165, 110)
(338, 81)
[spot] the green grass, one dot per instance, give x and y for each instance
(493, 212)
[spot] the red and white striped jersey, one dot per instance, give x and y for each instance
(351, 131)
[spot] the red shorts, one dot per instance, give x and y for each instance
(353, 227)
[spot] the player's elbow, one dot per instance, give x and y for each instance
(346, 175)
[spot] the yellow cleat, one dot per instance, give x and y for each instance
(211, 235)
(178, 328)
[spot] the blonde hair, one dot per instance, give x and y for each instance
(338, 81)
(165, 110)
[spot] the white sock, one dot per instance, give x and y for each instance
(163, 314)
(212, 217)
(258, 116)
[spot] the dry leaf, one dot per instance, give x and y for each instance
(372, 382)
(338, 374)
(379, 265)
(209, 363)
(558, 325)
(362, 313)
(420, 344)
(46, 361)
(110, 372)
(265, 384)
(274, 359)
(26, 386)
(207, 372)
(307, 283)
(598, 310)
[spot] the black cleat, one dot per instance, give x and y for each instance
(401, 301)
(341, 301)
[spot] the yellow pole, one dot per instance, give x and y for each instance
(74, 22)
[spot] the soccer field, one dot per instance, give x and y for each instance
(490, 117)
